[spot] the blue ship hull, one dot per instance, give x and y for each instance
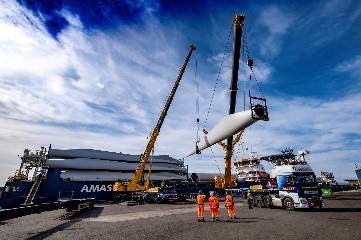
(15, 192)
(54, 186)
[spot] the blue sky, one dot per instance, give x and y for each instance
(95, 74)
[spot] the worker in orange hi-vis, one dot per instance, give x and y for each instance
(200, 201)
(230, 205)
(214, 206)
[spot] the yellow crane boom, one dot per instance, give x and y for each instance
(134, 185)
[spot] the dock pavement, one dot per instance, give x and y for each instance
(339, 219)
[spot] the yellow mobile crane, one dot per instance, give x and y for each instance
(227, 181)
(258, 111)
(134, 184)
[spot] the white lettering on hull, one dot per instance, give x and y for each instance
(97, 188)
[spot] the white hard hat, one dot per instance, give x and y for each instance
(211, 193)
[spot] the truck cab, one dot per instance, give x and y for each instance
(296, 187)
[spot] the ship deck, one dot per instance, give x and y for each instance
(340, 219)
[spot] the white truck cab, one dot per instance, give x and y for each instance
(296, 187)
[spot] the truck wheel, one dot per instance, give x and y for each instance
(151, 199)
(268, 201)
(288, 204)
(259, 201)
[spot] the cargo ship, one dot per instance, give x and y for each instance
(249, 169)
(44, 175)
(327, 179)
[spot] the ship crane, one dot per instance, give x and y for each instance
(287, 157)
(134, 184)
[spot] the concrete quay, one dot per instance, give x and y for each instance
(339, 219)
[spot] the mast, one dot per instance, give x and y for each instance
(238, 22)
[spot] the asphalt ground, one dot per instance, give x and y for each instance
(340, 219)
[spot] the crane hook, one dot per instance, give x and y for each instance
(197, 149)
(250, 63)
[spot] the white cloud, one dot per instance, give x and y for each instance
(333, 7)
(332, 19)
(262, 70)
(353, 66)
(277, 22)
(57, 92)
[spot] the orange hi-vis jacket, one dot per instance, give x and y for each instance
(200, 199)
(229, 201)
(213, 202)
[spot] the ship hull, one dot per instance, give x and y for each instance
(54, 186)
(82, 173)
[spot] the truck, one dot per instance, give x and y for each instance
(161, 195)
(292, 184)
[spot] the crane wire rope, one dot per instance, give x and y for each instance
(213, 94)
(245, 46)
(219, 73)
(214, 91)
(214, 157)
(254, 75)
(243, 73)
(240, 150)
(197, 99)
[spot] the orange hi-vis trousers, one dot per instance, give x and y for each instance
(213, 206)
(230, 206)
(200, 201)
(200, 211)
(231, 212)
(214, 212)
